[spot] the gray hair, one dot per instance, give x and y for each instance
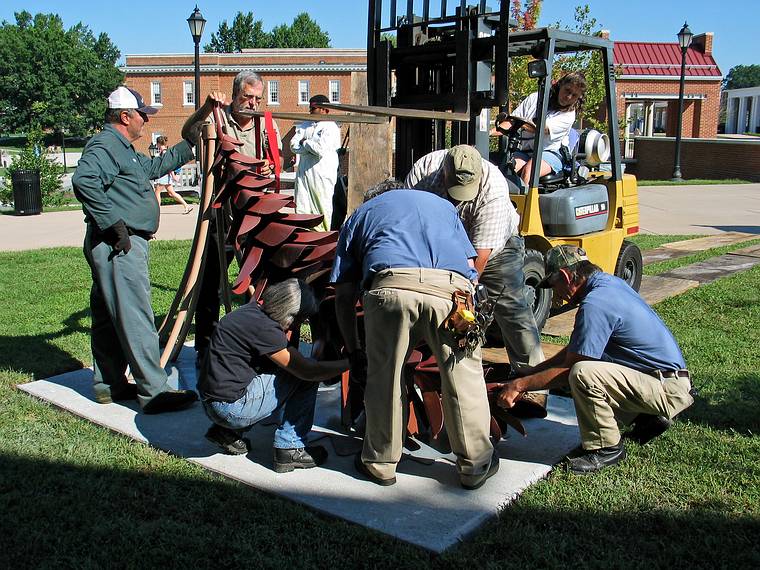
(246, 77)
(112, 115)
(382, 188)
(289, 301)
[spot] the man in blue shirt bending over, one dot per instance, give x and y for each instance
(408, 252)
(622, 363)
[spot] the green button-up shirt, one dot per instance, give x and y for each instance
(112, 180)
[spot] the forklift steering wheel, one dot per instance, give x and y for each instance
(517, 123)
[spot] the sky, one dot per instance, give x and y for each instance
(139, 26)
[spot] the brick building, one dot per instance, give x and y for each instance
(291, 77)
(648, 85)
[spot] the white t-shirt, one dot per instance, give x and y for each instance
(558, 123)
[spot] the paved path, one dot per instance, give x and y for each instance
(711, 209)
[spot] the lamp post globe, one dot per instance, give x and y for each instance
(196, 22)
(684, 41)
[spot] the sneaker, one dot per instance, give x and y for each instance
(596, 460)
(362, 468)
(472, 482)
(228, 439)
(646, 427)
(286, 460)
(170, 401)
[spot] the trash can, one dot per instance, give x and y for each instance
(27, 196)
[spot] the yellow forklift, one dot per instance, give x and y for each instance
(457, 61)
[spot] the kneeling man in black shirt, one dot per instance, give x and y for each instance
(250, 373)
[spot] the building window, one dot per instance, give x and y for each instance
(303, 92)
(188, 97)
(273, 92)
(334, 91)
(155, 93)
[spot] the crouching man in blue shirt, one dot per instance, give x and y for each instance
(622, 364)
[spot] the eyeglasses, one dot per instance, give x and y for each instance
(248, 97)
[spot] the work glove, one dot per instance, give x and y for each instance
(117, 236)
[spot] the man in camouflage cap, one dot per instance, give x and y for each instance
(622, 365)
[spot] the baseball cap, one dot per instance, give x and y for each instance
(560, 257)
(318, 100)
(125, 98)
(465, 167)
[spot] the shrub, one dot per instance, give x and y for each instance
(34, 156)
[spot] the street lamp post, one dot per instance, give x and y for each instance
(684, 40)
(196, 22)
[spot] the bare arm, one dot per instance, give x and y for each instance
(307, 368)
(191, 128)
(481, 259)
(550, 374)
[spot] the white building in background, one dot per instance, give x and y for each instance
(743, 110)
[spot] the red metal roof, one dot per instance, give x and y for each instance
(645, 58)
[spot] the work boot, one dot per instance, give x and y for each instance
(472, 482)
(646, 427)
(228, 439)
(170, 401)
(362, 468)
(117, 393)
(596, 459)
(286, 460)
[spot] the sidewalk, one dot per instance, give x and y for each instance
(711, 209)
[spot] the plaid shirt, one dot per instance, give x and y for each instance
(490, 219)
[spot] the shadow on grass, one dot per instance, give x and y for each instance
(94, 517)
(38, 355)
(737, 409)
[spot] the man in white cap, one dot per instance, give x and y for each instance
(479, 191)
(112, 181)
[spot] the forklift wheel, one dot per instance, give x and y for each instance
(539, 299)
(629, 264)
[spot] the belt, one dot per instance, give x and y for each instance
(669, 374)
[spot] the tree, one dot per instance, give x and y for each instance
(246, 33)
(302, 33)
(54, 78)
(741, 76)
(520, 85)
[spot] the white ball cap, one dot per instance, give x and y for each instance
(125, 98)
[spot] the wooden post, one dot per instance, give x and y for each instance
(369, 156)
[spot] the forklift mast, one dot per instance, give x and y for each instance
(453, 61)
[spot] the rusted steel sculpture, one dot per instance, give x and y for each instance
(271, 244)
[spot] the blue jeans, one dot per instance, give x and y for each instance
(291, 399)
(503, 275)
(549, 157)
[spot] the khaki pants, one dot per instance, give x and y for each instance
(606, 394)
(403, 307)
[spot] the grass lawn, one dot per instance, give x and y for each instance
(74, 494)
(692, 182)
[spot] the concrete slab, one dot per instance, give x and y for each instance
(427, 507)
(714, 268)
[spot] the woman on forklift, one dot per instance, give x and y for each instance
(565, 99)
